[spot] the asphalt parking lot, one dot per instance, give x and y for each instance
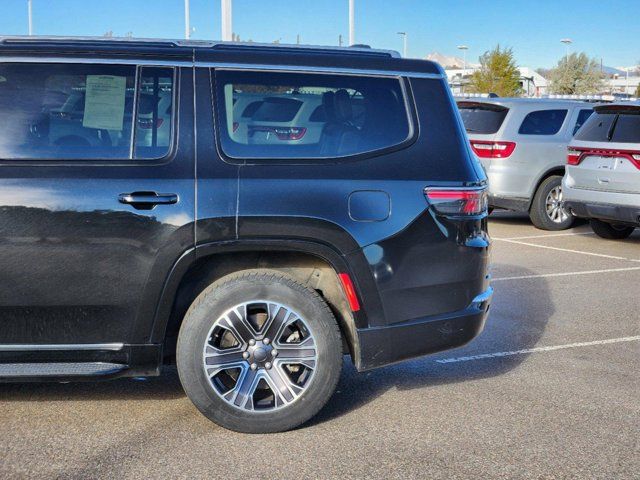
(551, 389)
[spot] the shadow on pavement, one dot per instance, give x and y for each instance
(518, 318)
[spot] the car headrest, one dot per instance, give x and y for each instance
(344, 110)
(328, 103)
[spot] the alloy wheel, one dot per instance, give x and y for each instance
(554, 207)
(259, 356)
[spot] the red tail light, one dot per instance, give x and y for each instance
(573, 156)
(282, 133)
(484, 149)
(576, 155)
(147, 123)
(458, 201)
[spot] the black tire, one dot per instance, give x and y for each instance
(538, 212)
(269, 286)
(610, 231)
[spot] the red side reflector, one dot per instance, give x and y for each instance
(349, 291)
(484, 149)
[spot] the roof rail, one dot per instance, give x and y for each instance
(158, 42)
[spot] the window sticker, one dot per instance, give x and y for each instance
(104, 102)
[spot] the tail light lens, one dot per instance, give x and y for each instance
(147, 123)
(458, 201)
(282, 133)
(573, 157)
(484, 149)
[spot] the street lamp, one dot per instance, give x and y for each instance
(464, 49)
(567, 42)
(404, 43)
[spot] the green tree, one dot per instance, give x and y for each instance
(498, 74)
(576, 74)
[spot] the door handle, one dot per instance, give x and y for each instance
(147, 200)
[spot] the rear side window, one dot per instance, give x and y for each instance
(482, 118)
(71, 112)
(627, 129)
(277, 109)
(596, 128)
(543, 122)
(612, 125)
(310, 116)
(582, 117)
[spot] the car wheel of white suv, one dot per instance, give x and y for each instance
(610, 231)
(547, 211)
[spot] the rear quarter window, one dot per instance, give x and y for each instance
(596, 128)
(311, 116)
(627, 129)
(482, 119)
(543, 122)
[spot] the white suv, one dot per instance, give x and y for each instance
(602, 180)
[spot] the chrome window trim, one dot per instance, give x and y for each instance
(61, 347)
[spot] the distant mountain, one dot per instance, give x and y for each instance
(449, 62)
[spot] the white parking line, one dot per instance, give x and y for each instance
(613, 257)
(546, 236)
(526, 351)
(565, 274)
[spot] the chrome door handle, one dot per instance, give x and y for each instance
(147, 200)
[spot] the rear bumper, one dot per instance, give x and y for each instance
(381, 346)
(601, 204)
(602, 211)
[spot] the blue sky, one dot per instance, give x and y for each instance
(533, 28)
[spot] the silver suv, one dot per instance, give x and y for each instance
(521, 143)
(602, 181)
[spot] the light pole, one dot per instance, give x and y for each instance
(567, 42)
(464, 49)
(352, 22)
(227, 29)
(187, 21)
(30, 13)
(404, 43)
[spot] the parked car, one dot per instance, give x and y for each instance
(522, 143)
(602, 182)
(252, 265)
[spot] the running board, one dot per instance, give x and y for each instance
(88, 369)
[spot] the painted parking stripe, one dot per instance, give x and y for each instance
(527, 351)
(552, 235)
(568, 250)
(565, 274)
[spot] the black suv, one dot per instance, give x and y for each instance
(249, 212)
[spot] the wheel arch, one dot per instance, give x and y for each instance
(557, 170)
(313, 264)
